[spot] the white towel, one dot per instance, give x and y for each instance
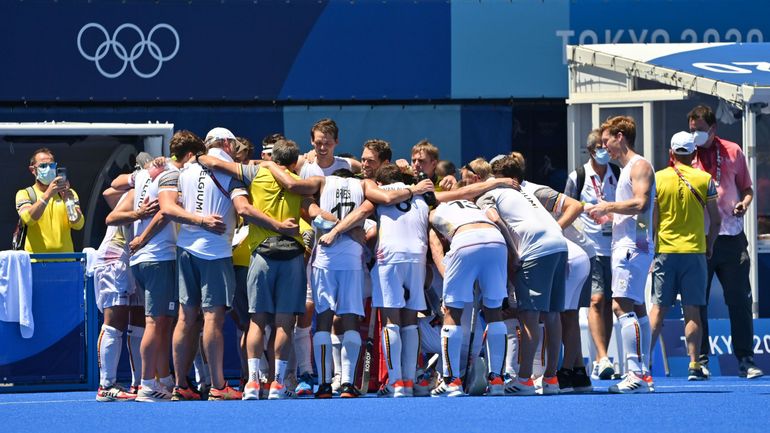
(16, 290)
(90, 260)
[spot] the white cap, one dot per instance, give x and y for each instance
(497, 158)
(219, 134)
(684, 143)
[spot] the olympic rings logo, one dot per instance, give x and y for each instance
(128, 57)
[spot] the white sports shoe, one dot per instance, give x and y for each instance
(495, 385)
(595, 371)
(605, 369)
(631, 384)
(251, 390)
(547, 385)
(147, 394)
(385, 390)
(517, 387)
(451, 389)
(280, 392)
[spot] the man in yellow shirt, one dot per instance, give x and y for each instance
(683, 195)
(45, 214)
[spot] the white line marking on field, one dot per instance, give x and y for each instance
(6, 403)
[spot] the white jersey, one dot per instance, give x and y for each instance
(633, 231)
(310, 169)
(201, 197)
(402, 235)
(162, 246)
(535, 232)
(114, 246)
(339, 197)
(594, 187)
(450, 216)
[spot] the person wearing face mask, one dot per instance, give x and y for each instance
(596, 179)
(45, 214)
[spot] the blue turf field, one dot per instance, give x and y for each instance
(721, 404)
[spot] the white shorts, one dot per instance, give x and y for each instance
(390, 283)
(340, 291)
(114, 286)
(578, 269)
(476, 255)
(630, 269)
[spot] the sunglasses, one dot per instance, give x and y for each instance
(468, 167)
(46, 165)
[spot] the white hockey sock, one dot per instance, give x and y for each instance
(644, 325)
(391, 351)
(168, 382)
(496, 346)
(202, 372)
(632, 341)
(134, 342)
(322, 347)
(410, 349)
(108, 347)
(351, 346)
(253, 369)
(512, 347)
(303, 347)
(541, 357)
(281, 366)
(451, 342)
(337, 353)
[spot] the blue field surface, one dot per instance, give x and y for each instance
(718, 405)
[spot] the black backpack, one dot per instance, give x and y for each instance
(581, 177)
(20, 234)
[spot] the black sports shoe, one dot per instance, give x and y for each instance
(581, 381)
(324, 391)
(696, 373)
(347, 390)
(565, 380)
(748, 369)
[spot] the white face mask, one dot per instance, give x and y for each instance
(601, 156)
(46, 175)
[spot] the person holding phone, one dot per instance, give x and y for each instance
(42, 207)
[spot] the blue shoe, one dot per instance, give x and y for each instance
(305, 386)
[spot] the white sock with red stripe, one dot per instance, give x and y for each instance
(322, 348)
(303, 346)
(109, 347)
(512, 347)
(351, 347)
(134, 342)
(632, 341)
(644, 325)
(410, 349)
(496, 346)
(451, 344)
(391, 351)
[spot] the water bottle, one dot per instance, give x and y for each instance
(430, 196)
(72, 213)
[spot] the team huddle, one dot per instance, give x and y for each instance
(489, 263)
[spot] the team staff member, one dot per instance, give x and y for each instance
(154, 268)
(204, 261)
(682, 246)
(725, 161)
(272, 300)
(632, 248)
(597, 181)
(45, 214)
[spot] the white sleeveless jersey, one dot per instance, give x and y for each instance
(202, 197)
(162, 246)
(313, 169)
(535, 232)
(339, 197)
(402, 235)
(450, 216)
(633, 231)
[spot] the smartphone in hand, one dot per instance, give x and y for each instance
(61, 172)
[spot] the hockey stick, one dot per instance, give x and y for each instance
(471, 355)
(366, 371)
(663, 354)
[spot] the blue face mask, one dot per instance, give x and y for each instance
(46, 174)
(601, 156)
